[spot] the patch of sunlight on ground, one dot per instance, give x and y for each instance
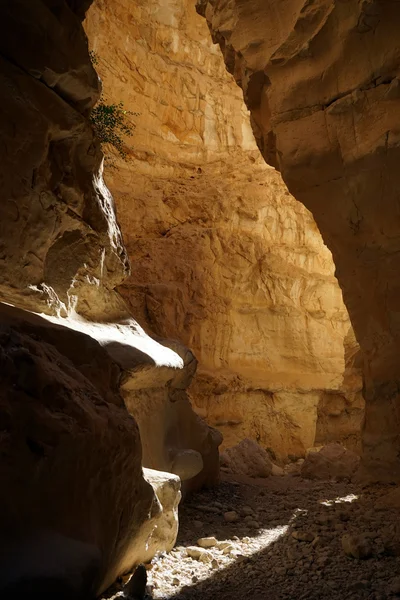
(345, 499)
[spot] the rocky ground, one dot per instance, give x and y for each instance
(282, 538)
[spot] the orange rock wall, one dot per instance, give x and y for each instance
(222, 257)
(322, 82)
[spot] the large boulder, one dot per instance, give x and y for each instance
(331, 462)
(74, 498)
(247, 458)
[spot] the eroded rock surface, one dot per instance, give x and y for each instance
(76, 511)
(58, 229)
(71, 460)
(322, 82)
(223, 258)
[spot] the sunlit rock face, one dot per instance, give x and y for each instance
(321, 81)
(223, 258)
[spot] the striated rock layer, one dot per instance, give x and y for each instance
(223, 258)
(77, 511)
(322, 82)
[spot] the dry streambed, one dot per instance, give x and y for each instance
(286, 538)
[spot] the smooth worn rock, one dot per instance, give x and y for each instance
(66, 437)
(163, 528)
(135, 589)
(231, 516)
(225, 546)
(207, 542)
(174, 437)
(60, 239)
(277, 471)
(356, 546)
(187, 464)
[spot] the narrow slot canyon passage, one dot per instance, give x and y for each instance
(199, 358)
(222, 257)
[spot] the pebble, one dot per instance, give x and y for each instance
(231, 516)
(199, 553)
(247, 510)
(303, 536)
(356, 546)
(198, 524)
(207, 542)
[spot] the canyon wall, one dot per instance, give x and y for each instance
(222, 257)
(61, 247)
(58, 231)
(322, 82)
(78, 511)
(71, 453)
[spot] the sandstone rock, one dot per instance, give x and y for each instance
(356, 546)
(208, 542)
(277, 471)
(155, 374)
(286, 56)
(59, 231)
(231, 516)
(163, 528)
(135, 588)
(332, 461)
(65, 435)
(313, 450)
(247, 458)
(174, 437)
(269, 350)
(224, 546)
(199, 554)
(187, 464)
